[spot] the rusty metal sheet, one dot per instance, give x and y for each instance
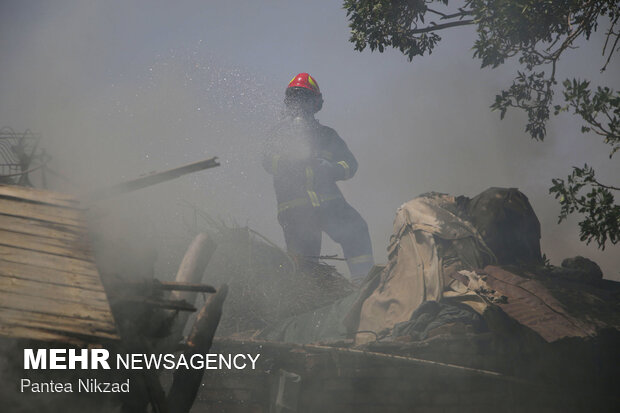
(50, 288)
(531, 304)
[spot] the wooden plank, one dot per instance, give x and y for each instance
(40, 335)
(60, 292)
(57, 323)
(40, 259)
(49, 276)
(42, 229)
(46, 305)
(53, 323)
(41, 212)
(52, 246)
(38, 195)
(49, 285)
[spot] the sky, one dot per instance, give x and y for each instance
(121, 88)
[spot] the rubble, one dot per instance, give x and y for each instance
(473, 327)
(266, 285)
(545, 340)
(52, 291)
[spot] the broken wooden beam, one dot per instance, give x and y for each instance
(178, 305)
(186, 382)
(151, 179)
(180, 286)
(150, 285)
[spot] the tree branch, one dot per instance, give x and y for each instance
(605, 186)
(611, 53)
(449, 16)
(608, 35)
(441, 26)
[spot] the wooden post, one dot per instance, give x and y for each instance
(191, 270)
(186, 383)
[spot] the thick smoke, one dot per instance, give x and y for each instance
(121, 89)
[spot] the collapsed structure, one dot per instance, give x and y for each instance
(465, 315)
(54, 292)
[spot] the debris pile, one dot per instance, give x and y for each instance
(465, 303)
(466, 285)
(266, 284)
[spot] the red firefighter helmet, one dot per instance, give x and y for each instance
(306, 83)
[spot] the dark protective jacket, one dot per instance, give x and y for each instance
(306, 159)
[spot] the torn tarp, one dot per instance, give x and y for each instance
(424, 228)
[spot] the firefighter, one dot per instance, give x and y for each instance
(306, 160)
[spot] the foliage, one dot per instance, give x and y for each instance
(535, 33)
(602, 216)
(600, 111)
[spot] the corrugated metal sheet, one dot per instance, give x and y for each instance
(50, 288)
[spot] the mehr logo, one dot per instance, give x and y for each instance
(62, 359)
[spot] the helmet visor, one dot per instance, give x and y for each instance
(300, 99)
(300, 94)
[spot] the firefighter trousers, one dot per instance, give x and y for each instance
(303, 227)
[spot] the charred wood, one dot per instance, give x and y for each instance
(186, 383)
